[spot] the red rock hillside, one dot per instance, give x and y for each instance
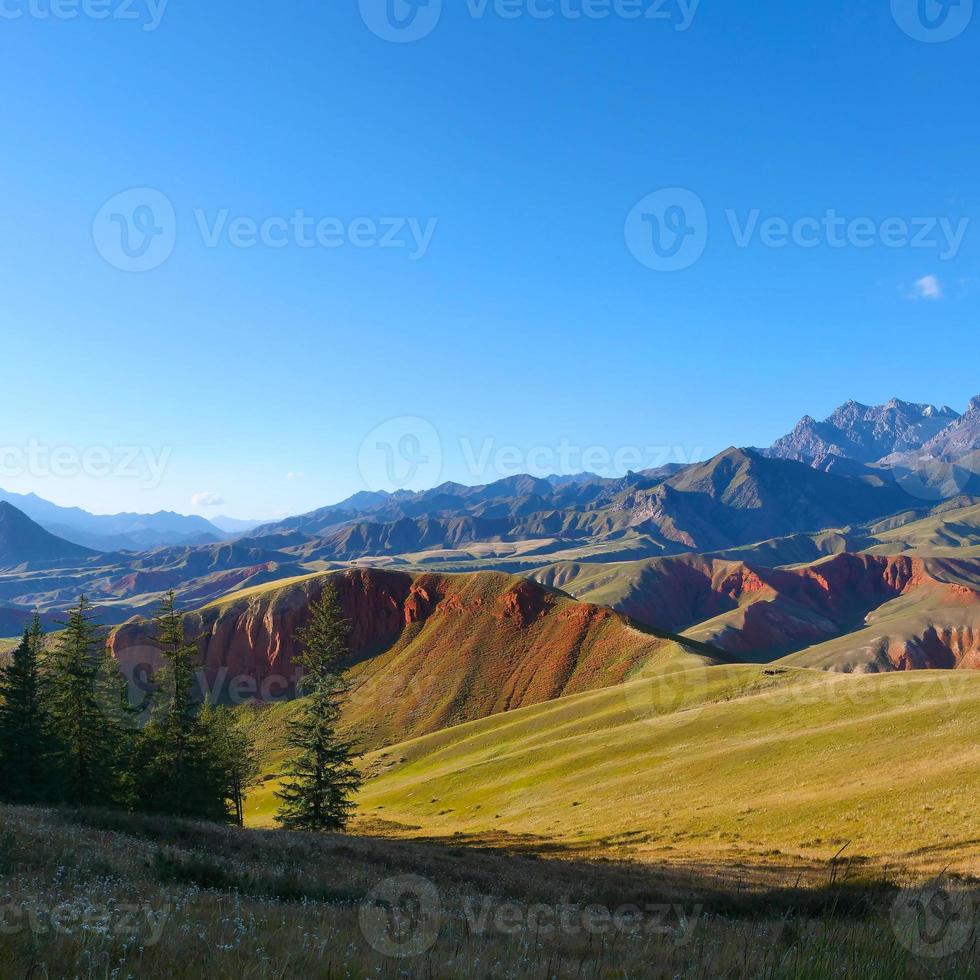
(428, 651)
(759, 613)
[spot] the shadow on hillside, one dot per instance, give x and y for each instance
(511, 868)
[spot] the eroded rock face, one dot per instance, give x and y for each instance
(427, 651)
(256, 637)
(680, 592)
(938, 648)
(864, 433)
(760, 613)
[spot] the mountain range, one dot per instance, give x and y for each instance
(758, 553)
(116, 532)
(931, 451)
(735, 498)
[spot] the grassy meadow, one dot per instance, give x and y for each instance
(767, 769)
(696, 821)
(90, 894)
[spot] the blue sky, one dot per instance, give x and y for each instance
(524, 330)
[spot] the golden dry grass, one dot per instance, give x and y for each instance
(100, 895)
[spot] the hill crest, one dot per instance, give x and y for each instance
(24, 542)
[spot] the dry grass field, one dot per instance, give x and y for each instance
(100, 895)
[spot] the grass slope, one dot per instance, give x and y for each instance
(953, 534)
(93, 895)
(723, 766)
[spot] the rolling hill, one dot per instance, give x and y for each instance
(22, 542)
(758, 613)
(949, 533)
(428, 651)
(936, 626)
(735, 766)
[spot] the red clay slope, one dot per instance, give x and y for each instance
(761, 613)
(430, 650)
(840, 595)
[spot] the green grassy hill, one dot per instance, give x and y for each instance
(951, 534)
(721, 766)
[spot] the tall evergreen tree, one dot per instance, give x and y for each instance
(169, 769)
(191, 760)
(321, 777)
(25, 730)
(178, 677)
(233, 756)
(88, 699)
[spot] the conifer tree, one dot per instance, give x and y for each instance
(170, 767)
(178, 676)
(321, 777)
(191, 760)
(88, 700)
(25, 730)
(234, 760)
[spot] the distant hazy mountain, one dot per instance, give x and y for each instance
(232, 525)
(501, 498)
(863, 433)
(22, 541)
(116, 532)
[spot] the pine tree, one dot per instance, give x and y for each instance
(25, 733)
(233, 756)
(88, 703)
(169, 769)
(321, 778)
(178, 677)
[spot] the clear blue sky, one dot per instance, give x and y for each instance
(527, 321)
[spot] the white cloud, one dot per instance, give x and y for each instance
(293, 476)
(207, 499)
(928, 287)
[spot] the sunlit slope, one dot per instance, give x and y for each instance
(952, 534)
(428, 651)
(374, 703)
(722, 764)
(929, 628)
